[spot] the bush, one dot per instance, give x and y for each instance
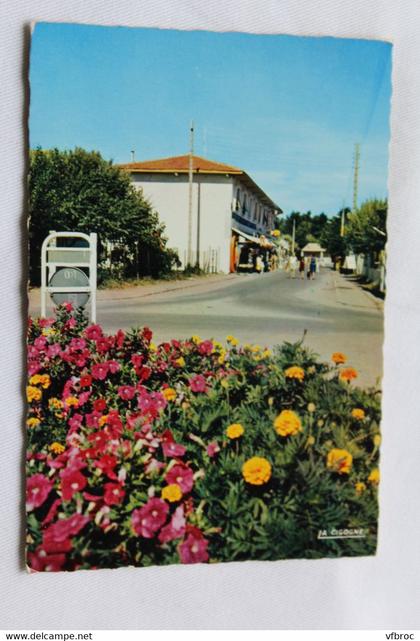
(192, 451)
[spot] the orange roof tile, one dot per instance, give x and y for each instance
(180, 164)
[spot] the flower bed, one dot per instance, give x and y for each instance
(192, 451)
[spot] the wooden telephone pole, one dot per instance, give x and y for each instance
(190, 195)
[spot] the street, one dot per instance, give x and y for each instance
(265, 309)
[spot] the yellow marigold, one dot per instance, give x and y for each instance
(218, 347)
(339, 461)
(311, 407)
(56, 448)
(169, 393)
(55, 403)
(360, 487)
(275, 233)
(358, 413)
(377, 440)
(102, 420)
(256, 348)
(172, 493)
(295, 372)
(374, 477)
(267, 353)
(33, 393)
(33, 422)
(35, 379)
(347, 374)
(232, 340)
(180, 361)
(45, 381)
(222, 357)
(256, 470)
(287, 423)
(339, 358)
(71, 401)
(153, 347)
(235, 430)
(196, 339)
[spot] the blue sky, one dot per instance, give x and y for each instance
(288, 110)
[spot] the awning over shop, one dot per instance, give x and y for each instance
(254, 239)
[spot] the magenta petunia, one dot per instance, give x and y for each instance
(38, 488)
(182, 475)
(126, 392)
(212, 449)
(172, 449)
(72, 481)
(194, 548)
(57, 537)
(100, 371)
(114, 493)
(175, 528)
(93, 332)
(198, 383)
(147, 520)
(41, 561)
(205, 348)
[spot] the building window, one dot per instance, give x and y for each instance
(244, 205)
(238, 200)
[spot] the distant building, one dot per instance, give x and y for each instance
(313, 249)
(227, 207)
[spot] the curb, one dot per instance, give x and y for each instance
(378, 303)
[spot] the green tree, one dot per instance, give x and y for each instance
(331, 238)
(366, 227)
(79, 191)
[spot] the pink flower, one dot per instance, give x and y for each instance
(169, 447)
(126, 392)
(114, 493)
(205, 348)
(93, 332)
(114, 366)
(176, 528)
(38, 488)
(104, 344)
(100, 371)
(120, 338)
(107, 464)
(72, 481)
(194, 548)
(41, 561)
(147, 520)
(53, 350)
(212, 449)
(77, 344)
(198, 383)
(182, 475)
(57, 536)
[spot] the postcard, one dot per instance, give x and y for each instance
(207, 274)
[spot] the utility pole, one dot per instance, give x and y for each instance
(293, 237)
(190, 194)
(356, 175)
(133, 151)
(197, 260)
(343, 220)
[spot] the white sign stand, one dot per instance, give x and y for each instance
(63, 264)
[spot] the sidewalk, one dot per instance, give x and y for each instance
(350, 294)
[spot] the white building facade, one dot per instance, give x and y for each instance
(204, 222)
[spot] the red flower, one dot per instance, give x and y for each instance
(143, 372)
(85, 381)
(172, 449)
(114, 493)
(57, 536)
(205, 348)
(114, 366)
(99, 405)
(104, 344)
(176, 528)
(100, 371)
(93, 332)
(119, 338)
(147, 334)
(182, 475)
(107, 463)
(41, 561)
(194, 548)
(198, 383)
(37, 489)
(126, 392)
(147, 520)
(72, 481)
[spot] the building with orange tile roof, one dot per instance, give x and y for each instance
(225, 205)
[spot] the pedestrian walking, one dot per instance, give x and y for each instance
(302, 267)
(312, 267)
(293, 265)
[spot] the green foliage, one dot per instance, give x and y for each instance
(366, 227)
(80, 191)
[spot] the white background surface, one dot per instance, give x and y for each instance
(379, 592)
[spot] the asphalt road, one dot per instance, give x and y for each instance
(265, 309)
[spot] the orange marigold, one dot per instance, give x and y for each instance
(295, 372)
(287, 423)
(256, 470)
(234, 431)
(347, 374)
(358, 413)
(338, 358)
(169, 394)
(339, 461)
